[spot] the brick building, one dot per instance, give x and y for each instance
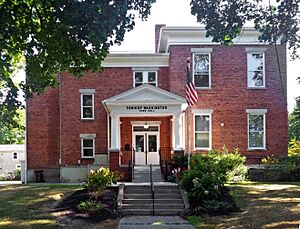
(137, 105)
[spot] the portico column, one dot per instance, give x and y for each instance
(178, 136)
(115, 133)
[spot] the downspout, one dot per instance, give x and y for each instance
(60, 122)
(26, 145)
(108, 128)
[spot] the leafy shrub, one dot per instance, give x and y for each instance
(89, 206)
(294, 147)
(100, 179)
(207, 176)
(12, 176)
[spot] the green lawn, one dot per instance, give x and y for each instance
(27, 206)
(263, 205)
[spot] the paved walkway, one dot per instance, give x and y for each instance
(145, 222)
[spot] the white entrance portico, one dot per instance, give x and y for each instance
(147, 102)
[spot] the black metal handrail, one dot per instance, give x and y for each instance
(152, 189)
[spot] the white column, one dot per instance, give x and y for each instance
(115, 133)
(178, 136)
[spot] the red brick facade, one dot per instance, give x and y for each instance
(54, 123)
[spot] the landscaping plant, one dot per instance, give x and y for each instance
(205, 180)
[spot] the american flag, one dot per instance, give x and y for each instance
(190, 93)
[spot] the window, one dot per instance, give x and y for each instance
(145, 77)
(201, 70)
(15, 156)
(256, 74)
(256, 130)
(87, 106)
(88, 147)
(202, 131)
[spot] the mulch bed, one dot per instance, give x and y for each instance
(108, 199)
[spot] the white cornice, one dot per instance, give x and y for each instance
(197, 36)
(136, 60)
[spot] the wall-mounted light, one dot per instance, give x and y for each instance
(146, 126)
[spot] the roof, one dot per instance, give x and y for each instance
(10, 148)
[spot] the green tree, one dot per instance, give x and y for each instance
(13, 135)
(276, 20)
(53, 36)
(294, 122)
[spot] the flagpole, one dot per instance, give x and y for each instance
(188, 137)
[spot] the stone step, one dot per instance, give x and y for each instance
(149, 201)
(149, 206)
(148, 191)
(149, 196)
(149, 212)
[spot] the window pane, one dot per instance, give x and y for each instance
(88, 152)
(201, 80)
(201, 63)
(151, 77)
(87, 100)
(202, 140)
(138, 77)
(87, 112)
(255, 61)
(88, 142)
(153, 84)
(256, 139)
(139, 143)
(138, 84)
(202, 123)
(255, 79)
(256, 123)
(152, 143)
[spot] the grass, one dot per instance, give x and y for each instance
(263, 205)
(27, 206)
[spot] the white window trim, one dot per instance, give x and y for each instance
(81, 106)
(145, 76)
(209, 70)
(258, 51)
(264, 122)
(87, 138)
(210, 131)
(17, 156)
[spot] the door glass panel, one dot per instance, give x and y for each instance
(139, 143)
(152, 143)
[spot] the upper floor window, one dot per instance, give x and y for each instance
(202, 131)
(87, 103)
(201, 70)
(256, 129)
(145, 77)
(15, 156)
(256, 71)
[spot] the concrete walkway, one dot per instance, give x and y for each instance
(144, 222)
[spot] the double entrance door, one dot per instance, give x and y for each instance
(146, 146)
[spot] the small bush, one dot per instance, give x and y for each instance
(294, 147)
(100, 179)
(12, 176)
(89, 206)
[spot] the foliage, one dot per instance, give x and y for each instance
(13, 134)
(294, 122)
(12, 176)
(269, 160)
(294, 147)
(100, 179)
(207, 176)
(89, 206)
(57, 36)
(224, 20)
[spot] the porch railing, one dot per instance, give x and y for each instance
(165, 155)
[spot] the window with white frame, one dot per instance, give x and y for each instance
(87, 146)
(87, 105)
(15, 156)
(202, 131)
(145, 77)
(256, 71)
(256, 129)
(201, 70)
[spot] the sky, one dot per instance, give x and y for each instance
(177, 13)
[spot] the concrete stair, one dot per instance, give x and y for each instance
(137, 200)
(142, 174)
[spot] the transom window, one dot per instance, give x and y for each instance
(87, 147)
(203, 131)
(87, 106)
(256, 131)
(256, 74)
(145, 77)
(201, 70)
